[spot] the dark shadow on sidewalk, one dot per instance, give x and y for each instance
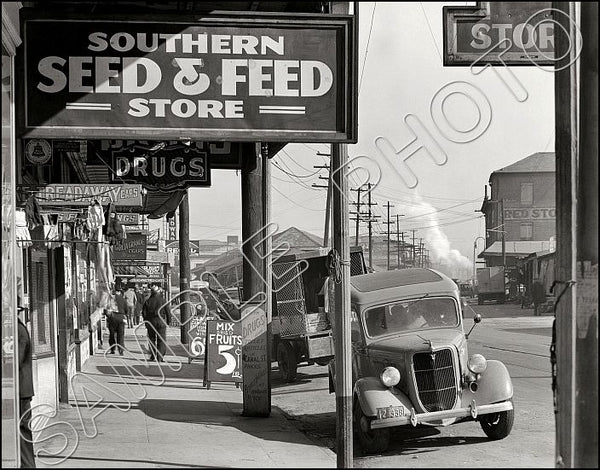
(222, 413)
(154, 369)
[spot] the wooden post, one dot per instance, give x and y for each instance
(327, 210)
(566, 147)
(585, 451)
(341, 244)
(267, 266)
(255, 365)
(343, 351)
(184, 267)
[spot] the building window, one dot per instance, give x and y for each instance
(527, 194)
(527, 231)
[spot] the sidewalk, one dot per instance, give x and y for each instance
(126, 412)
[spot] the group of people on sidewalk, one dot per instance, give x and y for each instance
(131, 308)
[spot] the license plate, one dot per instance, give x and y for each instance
(390, 412)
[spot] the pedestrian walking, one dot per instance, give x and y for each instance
(156, 312)
(539, 297)
(25, 391)
(139, 304)
(131, 302)
(116, 319)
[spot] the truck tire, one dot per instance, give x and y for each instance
(497, 426)
(373, 441)
(287, 361)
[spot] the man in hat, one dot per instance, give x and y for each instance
(156, 311)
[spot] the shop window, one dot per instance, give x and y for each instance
(527, 194)
(527, 231)
(41, 317)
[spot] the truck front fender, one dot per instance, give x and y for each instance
(493, 386)
(372, 394)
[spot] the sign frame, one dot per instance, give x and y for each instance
(211, 374)
(451, 15)
(344, 129)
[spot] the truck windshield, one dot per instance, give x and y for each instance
(411, 315)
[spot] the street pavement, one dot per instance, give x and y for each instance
(126, 412)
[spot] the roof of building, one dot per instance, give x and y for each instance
(538, 162)
(522, 248)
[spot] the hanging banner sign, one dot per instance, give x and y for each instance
(496, 33)
(133, 247)
(220, 155)
(122, 195)
(223, 362)
(277, 78)
(163, 170)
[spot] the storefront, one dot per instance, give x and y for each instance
(10, 390)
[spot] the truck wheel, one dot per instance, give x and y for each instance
(373, 441)
(323, 361)
(287, 362)
(497, 426)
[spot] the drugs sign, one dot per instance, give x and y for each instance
(257, 78)
(496, 33)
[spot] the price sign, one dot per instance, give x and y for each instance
(223, 360)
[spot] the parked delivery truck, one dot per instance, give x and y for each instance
(491, 284)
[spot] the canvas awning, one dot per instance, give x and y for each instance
(518, 249)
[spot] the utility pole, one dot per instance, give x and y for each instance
(401, 251)
(327, 203)
(414, 259)
(370, 222)
(503, 234)
(398, 238)
(388, 222)
(358, 214)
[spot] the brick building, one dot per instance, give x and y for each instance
(522, 206)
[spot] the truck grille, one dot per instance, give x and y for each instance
(435, 379)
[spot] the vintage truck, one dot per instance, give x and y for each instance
(491, 284)
(303, 308)
(411, 363)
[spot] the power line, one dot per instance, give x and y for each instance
(367, 49)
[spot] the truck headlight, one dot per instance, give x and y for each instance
(477, 364)
(390, 376)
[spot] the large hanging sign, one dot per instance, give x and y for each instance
(238, 78)
(121, 195)
(165, 170)
(134, 247)
(499, 33)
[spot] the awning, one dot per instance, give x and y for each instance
(518, 249)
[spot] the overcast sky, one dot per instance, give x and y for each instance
(400, 71)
